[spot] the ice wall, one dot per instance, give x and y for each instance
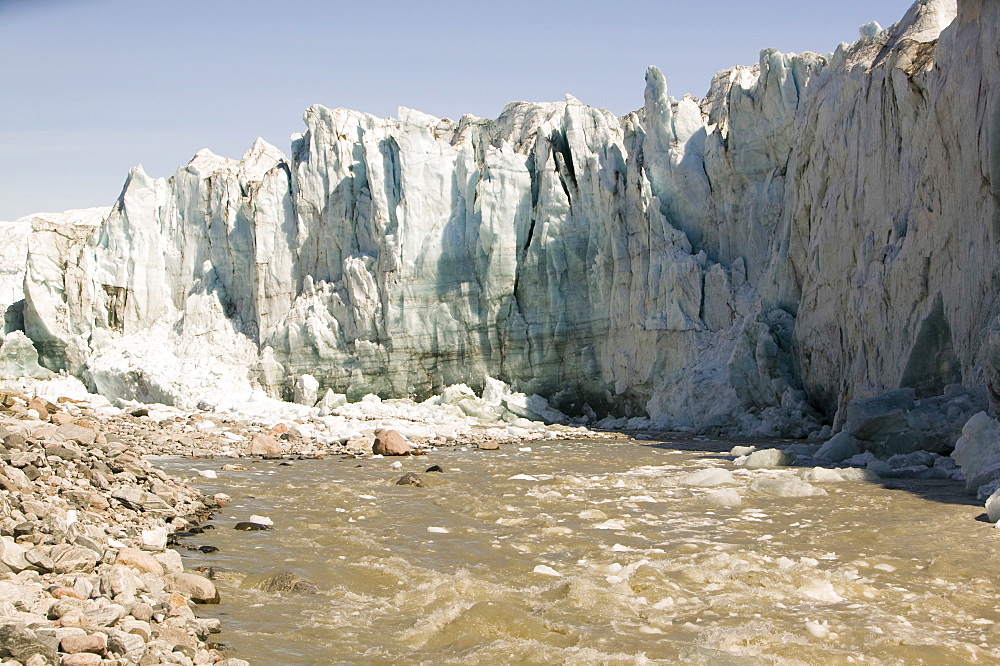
(816, 229)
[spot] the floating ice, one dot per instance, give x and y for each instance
(789, 486)
(820, 590)
(818, 629)
(723, 498)
(705, 478)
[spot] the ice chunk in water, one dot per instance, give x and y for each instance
(818, 629)
(820, 590)
(822, 475)
(786, 487)
(706, 478)
(724, 498)
(766, 458)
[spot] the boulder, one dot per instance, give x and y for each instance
(81, 659)
(170, 560)
(129, 645)
(390, 443)
(263, 445)
(71, 432)
(106, 616)
(200, 589)
(43, 407)
(21, 644)
(15, 480)
(96, 643)
(118, 580)
(138, 499)
(287, 582)
(12, 556)
(61, 418)
(63, 452)
(73, 559)
(410, 479)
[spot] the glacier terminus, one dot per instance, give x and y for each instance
(817, 229)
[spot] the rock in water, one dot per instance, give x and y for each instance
(200, 589)
(288, 582)
(410, 479)
(390, 443)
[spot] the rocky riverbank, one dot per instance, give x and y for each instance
(86, 576)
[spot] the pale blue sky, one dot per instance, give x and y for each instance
(92, 87)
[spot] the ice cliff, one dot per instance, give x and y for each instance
(816, 229)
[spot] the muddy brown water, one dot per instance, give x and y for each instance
(598, 557)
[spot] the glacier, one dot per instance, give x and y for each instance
(817, 229)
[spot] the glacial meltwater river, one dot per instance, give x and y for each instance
(577, 552)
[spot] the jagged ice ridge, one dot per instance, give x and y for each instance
(816, 229)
